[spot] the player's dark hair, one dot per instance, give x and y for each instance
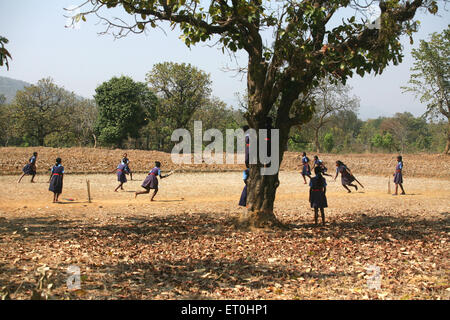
(157, 164)
(58, 160)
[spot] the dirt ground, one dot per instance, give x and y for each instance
(185, 245)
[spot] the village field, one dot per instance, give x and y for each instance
(185, 245)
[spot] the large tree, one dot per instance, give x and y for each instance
(430, 77)
(181, 89)
(123, 108)
(41, 110)
(311, 39)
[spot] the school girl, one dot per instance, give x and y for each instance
(346, 175)
(319, 163)
(151, 181)
(306, 170)
(243, 200)
(126, 162)
(30, 168)
(398, 176)
(121, 176)
(56, 180)
(317, 195)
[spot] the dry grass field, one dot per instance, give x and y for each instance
(185, 245)
(89, 160)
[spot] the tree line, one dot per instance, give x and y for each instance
(123, 114)
(129, 114)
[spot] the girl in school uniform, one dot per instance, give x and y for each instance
(126, 162)
(306, 170)
(151, 181)
(346, 176)
(317, 195)
(121, 176)
(319, 163)
(243, 200)
(56, 180)
(398, 176)
(30, 168)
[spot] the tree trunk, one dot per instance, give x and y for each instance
(261, 191)
(447, 147)
(316, 140)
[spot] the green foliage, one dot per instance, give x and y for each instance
(182, 90)
(328, 142)
(40, 110)
(431, 74)
(124, 107)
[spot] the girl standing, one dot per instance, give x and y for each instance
(151, 181)
(306, 170)
(30, 168)
(243, 200)
(346, 176)
(317, 197)
(56, 180)
(126, 162)
(398, 176)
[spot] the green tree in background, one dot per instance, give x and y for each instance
(430, 77)
(182, 89)
(41, 110)
(124, 107)
(328, 142)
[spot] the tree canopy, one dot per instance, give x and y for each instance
(124, 106)
(430, 76)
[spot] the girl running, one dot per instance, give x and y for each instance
(121, 176)
(56, 180)
(151, 181)
(126, 162)
(346, 176)
(306, 170)
(398, 176)
(317, 197)
(319, 163)
(30, 168)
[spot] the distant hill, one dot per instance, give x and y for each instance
(9, 87)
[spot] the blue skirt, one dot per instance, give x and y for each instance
(28, 169)
(121, 177)
(398, 178)
(243, 200)
(150, 182)
(306, 171)
(56, 184)
(318, 199)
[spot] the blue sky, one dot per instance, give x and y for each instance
(80, 60)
